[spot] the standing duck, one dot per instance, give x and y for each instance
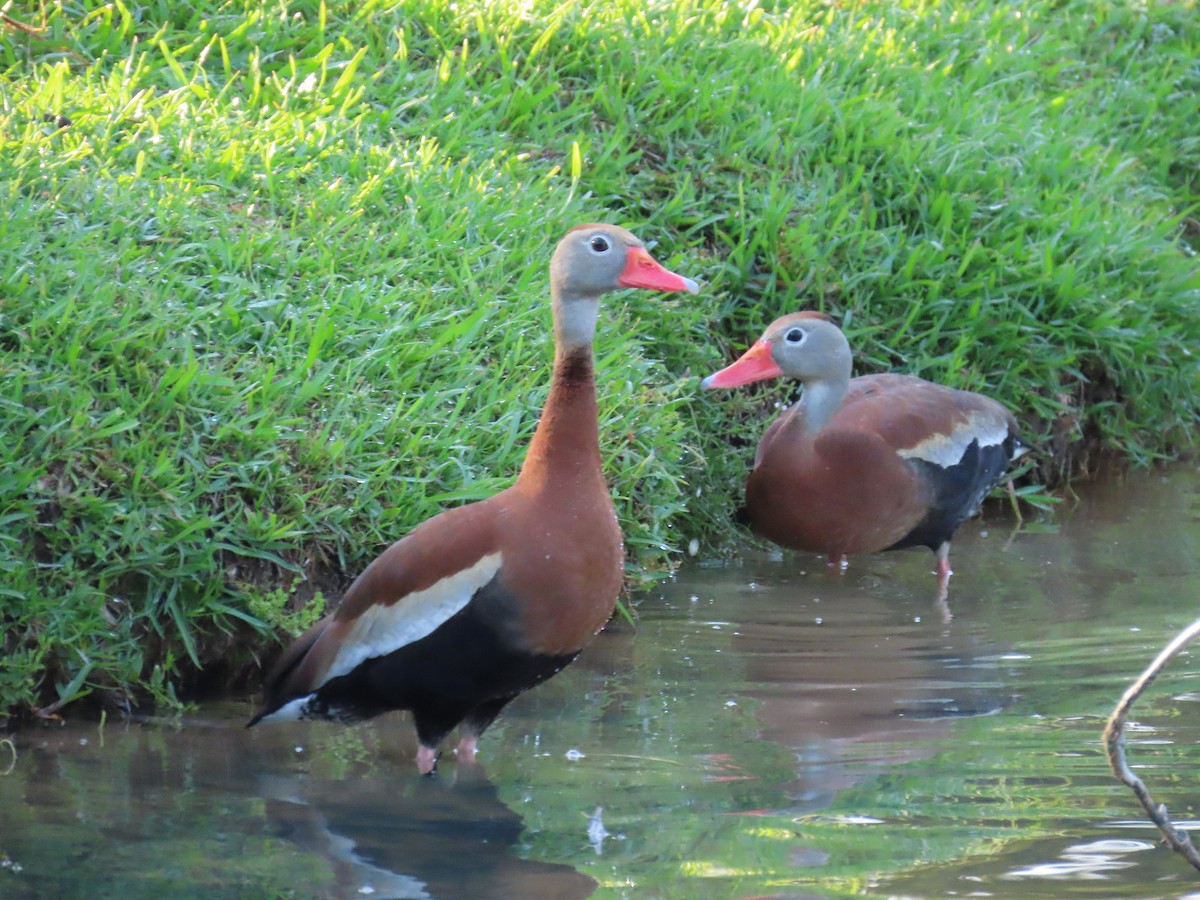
(485, 601)
(877, 462)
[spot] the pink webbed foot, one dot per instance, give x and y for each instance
(427, 758)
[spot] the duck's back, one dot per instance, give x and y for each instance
(902, 462)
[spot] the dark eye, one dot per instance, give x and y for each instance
(599, 245)
(795, 336)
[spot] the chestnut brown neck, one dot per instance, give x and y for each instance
(566, 446)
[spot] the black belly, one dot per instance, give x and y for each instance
(959, 490)
(465, 670)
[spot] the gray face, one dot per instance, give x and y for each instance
(809, 349)
(589, 260)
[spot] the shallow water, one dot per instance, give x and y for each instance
(771, 729)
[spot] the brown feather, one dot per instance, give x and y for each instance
(437, 548)
(570, 568)
(905, 410)
(846, 489)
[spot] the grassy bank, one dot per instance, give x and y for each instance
(272, 277)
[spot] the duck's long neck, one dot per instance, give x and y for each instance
(566, 445)
(816, 406)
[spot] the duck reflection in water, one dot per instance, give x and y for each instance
(857, 677)
(414, 838)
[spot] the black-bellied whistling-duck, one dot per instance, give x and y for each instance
(877, 462)
(487, 600)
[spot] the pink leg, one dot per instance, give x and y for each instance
(943, 582)
(466, 749)
(836, 561)
(943, 565)
(426, 760)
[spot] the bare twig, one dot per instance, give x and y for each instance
(1114, 744)
(20, 26)
(49, 712)
(8, 20)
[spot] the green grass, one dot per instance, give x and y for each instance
(277, 292)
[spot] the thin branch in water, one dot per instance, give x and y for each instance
(1114, 744)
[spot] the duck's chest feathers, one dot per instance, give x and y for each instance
(563, 566)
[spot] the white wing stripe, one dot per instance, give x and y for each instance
(382, 629)
(946, 450)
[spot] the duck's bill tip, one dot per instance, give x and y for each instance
(642, 271)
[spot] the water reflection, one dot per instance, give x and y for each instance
(1090, 861)
(769, 729)
(386, 835)
(842, 675)
(349, 805)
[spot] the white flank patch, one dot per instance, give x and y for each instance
(946, 450)
(289, 712)
(382, 629)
